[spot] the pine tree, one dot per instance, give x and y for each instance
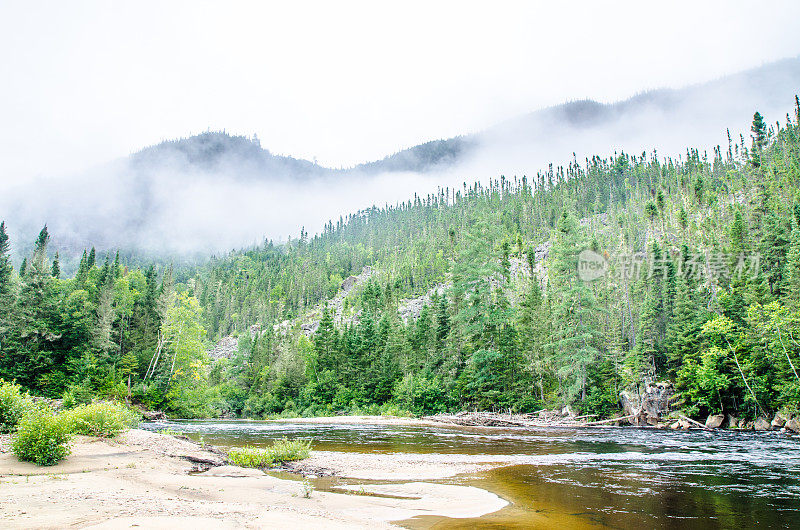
(442, 323)
(7, 316)
(759, 136)
(83, 272)
(55, 271)
(5, 264)
(116, 268)
(127, 368)
(574, 332)
(533, 324)
(325, 342)
(684, 330)
(37, 324)
(792, 274)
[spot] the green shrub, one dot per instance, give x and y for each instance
(101, 419)
(250, 456)
(42, 437)
(76, 395)
(284, 450)
(281, 451)
(13, 404)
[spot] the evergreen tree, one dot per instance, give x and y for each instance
(5, 264)
(83, 272)
(574, 332)
(759, 136)
(792, 274)
(55, 271)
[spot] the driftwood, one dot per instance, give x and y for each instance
(612, 420)
(695, 422)
(209, 461)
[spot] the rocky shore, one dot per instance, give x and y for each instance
(567, 418)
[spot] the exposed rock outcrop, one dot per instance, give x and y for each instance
(309, 322)
(225, 348)
(410, 309)
(650, 406)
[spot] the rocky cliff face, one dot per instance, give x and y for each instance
(650, 406)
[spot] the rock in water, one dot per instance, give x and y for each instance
(733, 422)
(793, 425)
(715, 421)
(778, 421)
(762, 424)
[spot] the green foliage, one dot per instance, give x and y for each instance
(13, 405)
(77, 395)
(283, 450)
(103, 419)
(42, 437)
(504, 322)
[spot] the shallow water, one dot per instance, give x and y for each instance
(614, 477)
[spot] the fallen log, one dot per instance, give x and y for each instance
(695, 422)
(621, 418)
(209, 461)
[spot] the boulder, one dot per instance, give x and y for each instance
(793, 425)
(778, 421)
(715, 421)
(733, 422)
(649, 406)
(684, 424)
(762, 424)
(154, 415)
(676, 425)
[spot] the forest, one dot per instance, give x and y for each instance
(698, 284)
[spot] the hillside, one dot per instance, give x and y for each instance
(585, 285)
(701, 257)
(188, 198)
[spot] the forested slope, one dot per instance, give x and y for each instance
(698, 283)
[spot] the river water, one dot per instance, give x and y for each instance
(577, 478)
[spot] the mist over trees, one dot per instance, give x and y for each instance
(185, 199)
(700, 257)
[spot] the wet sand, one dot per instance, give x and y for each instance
(143, 479)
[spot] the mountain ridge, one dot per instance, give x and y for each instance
(207, 151)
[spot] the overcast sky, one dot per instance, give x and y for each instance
(86, 82)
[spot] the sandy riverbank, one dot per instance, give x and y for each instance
(142, 479)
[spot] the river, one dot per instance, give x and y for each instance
(574, 478)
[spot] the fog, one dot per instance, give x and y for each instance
(163, 204)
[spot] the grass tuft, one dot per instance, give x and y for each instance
(283, 450)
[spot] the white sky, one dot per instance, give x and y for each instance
(85, 82)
